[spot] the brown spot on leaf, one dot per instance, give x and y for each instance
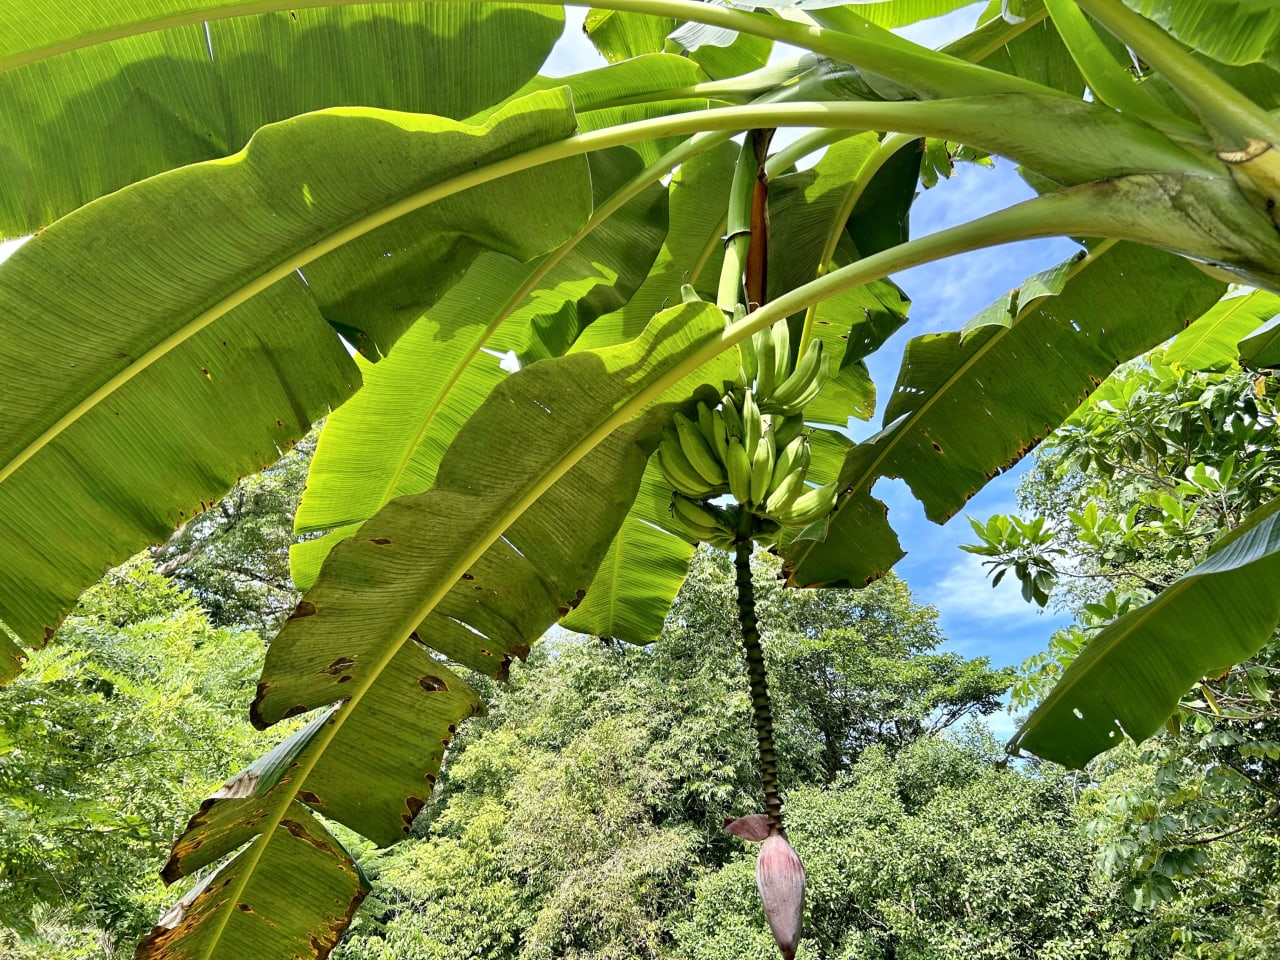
(345, 678)
(305, 608)
(432, 684)
(293, 711)
(300, 832)
(936, 447)
(414, 805)
(244, 908)
(468, 576)
(342, 663)
(311, 797)
(380, 541)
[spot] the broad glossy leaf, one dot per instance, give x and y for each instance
(88, 121)
(691, 253)
(1210, 342)
(175, 302)
(1263, 348)
(810, 209)
(525, 504)
(969, 405)
(619, 35)
(899, 13)
(640, 79)
(388, 440)
(479, 565)
(298, 894)
(1031, 49)
(1231, 31)
(853, 325)
(632, 591)
(1132, 673)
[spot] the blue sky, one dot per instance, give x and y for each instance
(977, 620)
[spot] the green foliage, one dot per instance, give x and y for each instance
(575, 818)
(234, 558)
(253, 215)
(129, 715)
(1130, 492)
(935, 854)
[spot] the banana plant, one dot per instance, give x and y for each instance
(509, 292)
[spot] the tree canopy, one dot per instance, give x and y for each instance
(511, 295)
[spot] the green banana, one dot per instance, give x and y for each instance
(732, 418)
(810, 506)
(781, 332)
(787, 429)
(698, 451)
(794, 454)
(807, 370)
(719, 435)
(767, 365)
(749, 361)
(789, 484)
(814, 388)
(708, 523)
(761, 469)
(752, 425)
(738, 466)
(677, 469)
(711, 423)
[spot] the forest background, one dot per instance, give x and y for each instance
(580, 817)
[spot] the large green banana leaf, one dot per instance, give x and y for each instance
(1210, 342)
(1227, 30)
(619, 36)
(632, 591)
(88, 121)
(1132, 673)
(1262, 349)
(852, 201)
(691, 253)
(968, 405)
(524, 506)
(219, 915)
(388, 440)
(176, 302)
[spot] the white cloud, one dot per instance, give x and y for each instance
(965, 592)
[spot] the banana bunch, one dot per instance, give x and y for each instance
(761, 459)
(779, 387)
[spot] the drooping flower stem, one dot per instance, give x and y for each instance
(761, 709)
